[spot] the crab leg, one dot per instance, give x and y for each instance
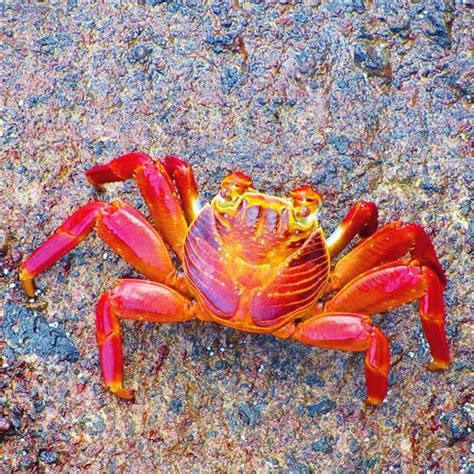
(155, 181)
(120, 226)
(394, 284)
(183, 176)
(354, 333)
(137, 300)
(389, 243)
(362, 219)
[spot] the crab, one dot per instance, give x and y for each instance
(251, 261)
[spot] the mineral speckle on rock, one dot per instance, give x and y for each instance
(363, 100)
(26, 332)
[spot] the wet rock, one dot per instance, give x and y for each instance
(358, 6)
(339, 142)
(295, 466)
(48, 457)
(4, 242)
(367, 464)
(249, 414)
(5, 425)
(439, 30)
(278, 91)
(458, 423)
(321, 408)
(374, 61)
(176, 405)
(140, 54)
(283, 369)
(29, 333)
(230, 78)
(71, 5)
(314, 381)
(221, 365)
(323, 445)
(221, 43)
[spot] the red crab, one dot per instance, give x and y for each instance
(254, 262)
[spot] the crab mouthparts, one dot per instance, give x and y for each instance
(261, 214)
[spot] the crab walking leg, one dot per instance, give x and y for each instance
(183, 176)
(362, 219)
(119, 225)
(137, 300)
(119, 169)
(394, 284)
(389, 243)
(354, 333)
(158, 190)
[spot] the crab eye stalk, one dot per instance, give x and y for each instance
(306, 201)
(232, 187)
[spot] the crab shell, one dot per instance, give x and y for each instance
(256, 264)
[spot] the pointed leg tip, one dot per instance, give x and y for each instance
(27, 283)
(438, 365)
(124, 394)
(374, 401)
(99, 187)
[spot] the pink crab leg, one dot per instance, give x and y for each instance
(354, 333)
(183, 176)
(137, 300)
(389, 243)
(155, 181)
(119, 169)
(119, 225)
(160, 196)
(394, 284)
(362, 219)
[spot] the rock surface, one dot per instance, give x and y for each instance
(363, 100)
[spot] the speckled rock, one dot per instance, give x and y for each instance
(363, 100)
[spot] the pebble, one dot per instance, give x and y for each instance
(4, 242)
(176, 405)
(321, 408)
(323, 445)
(314, 381)
(373, 61)
(140, 54)
(249, 414)
(4, 424)
(48, 457)
(459, 424)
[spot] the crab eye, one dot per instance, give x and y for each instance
(306, 201)
(232, 187)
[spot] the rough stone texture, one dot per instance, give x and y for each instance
(363, 100)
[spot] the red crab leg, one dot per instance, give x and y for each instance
(354, 333)
(394, 284)
(362, 219)
(119, 169)
(183, 176)
(389, 243)
(137, 300)
(120, 226)
(158, 191)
